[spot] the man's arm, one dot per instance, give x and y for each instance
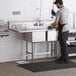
(56, 21)
(57, 18)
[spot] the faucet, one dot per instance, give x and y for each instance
(38, 23)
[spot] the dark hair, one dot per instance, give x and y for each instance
(59, 1)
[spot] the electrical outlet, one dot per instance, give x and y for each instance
(16, 12)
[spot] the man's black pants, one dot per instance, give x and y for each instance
(63, 37)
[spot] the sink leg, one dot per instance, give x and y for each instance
(47, 47)
(26, 50)
(33, 48)
(51, 50)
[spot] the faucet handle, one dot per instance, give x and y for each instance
(36, 24)
(41, 24)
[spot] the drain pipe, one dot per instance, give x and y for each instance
(73, 20)
(40, 9)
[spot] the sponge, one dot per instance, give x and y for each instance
(50, 26)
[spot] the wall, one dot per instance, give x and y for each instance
(29, 10)
(10, 47)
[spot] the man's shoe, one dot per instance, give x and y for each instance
(66, 61)
(61, 61)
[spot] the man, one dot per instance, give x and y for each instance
(62, 22)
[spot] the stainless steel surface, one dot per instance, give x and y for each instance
(52, 51)
(4, 33)
(34, 30)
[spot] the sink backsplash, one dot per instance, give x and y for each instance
(16, 25)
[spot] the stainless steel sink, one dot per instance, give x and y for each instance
(4, 33)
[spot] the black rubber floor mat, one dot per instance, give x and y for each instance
(47, 66)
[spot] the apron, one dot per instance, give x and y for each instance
(60, 27)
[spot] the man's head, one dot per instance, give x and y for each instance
(58, 3)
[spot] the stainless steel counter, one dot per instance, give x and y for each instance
(35, 30)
